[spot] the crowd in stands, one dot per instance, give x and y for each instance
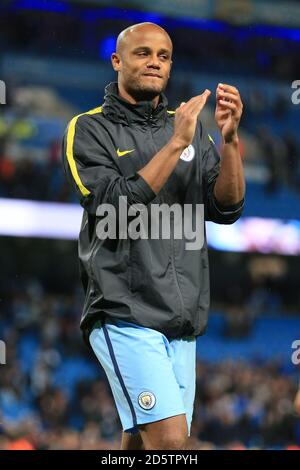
(42, 180)
(80, 33)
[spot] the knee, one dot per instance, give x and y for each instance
(175, 440)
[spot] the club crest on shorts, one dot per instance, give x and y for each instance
(188, 153)
(147, 400)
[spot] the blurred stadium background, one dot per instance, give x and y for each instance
(55, 61)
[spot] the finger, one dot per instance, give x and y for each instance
(228, 96)
(199, 104)
(197, 99)
(228, 88)
(186, 104)
(220, 108)
(195, 104)
(228, 105)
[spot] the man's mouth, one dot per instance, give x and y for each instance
(152, 75)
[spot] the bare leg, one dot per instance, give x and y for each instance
(170, 433)
(131, 441)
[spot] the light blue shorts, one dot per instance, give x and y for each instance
(151, 378)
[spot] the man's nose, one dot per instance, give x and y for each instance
(153, 62)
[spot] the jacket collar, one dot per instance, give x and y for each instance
(117, 109)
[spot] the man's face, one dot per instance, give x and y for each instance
(145, 63)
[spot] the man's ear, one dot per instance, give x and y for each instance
(116, 61)
(171, 63)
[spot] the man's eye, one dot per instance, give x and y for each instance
(142, 53)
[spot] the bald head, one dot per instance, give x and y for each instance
(135, 32)
(143, 61)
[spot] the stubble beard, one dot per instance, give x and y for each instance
(141, 92)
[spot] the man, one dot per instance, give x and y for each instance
(147, 299)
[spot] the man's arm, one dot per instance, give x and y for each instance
(230, 184)
(229, 188)
(96, 176)
(211, 163)
(160, 167)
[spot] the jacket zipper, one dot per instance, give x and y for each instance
(172, 242)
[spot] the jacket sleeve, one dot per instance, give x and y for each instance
(214, 211)
(92, 171)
